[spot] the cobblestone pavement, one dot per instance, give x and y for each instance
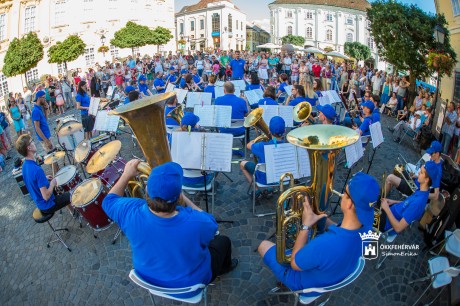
(96, 272)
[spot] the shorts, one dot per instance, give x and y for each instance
(88, 123)
(60, 201)
(404, 188)
(250, 167)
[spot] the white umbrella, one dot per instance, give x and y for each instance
(269, 46)
(337, 54)
(313, 50)
(297, 48)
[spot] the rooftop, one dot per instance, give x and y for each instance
(360, 5)
(202, 5)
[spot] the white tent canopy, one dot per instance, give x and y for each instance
(337, 54)
(268, 46)
(313, 50)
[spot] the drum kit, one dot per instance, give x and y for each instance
(69, 132)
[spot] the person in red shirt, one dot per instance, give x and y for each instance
(316, 69)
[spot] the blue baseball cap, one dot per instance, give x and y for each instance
(364, 191)
(432, 169)
(165, 182)
(190, 118)
(435, 147)
(327, 110)
(130, 88)
(39, 94)
(369, 105)
(277, 126)
(142, 78)
(171, 68)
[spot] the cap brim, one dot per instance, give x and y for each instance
(430, 151)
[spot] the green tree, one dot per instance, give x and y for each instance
(22, 55)
(161, 36)
(133, 35)
(293, 39)
(357, 50)
(67, 51)
(403, 35)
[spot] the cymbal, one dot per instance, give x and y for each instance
(54, 157)
(69, 129)
(86, 192)
(82, 150)
(103, 157)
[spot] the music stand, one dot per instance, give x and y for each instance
(377, 140)
(204, 173)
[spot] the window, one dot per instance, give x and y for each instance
(192, 25)
(368, 23)
(289, 30)
(456, 7)
(370, 43)
(32, 75)
(61, 68)
(202, 24)
(236, 22)
(215, 23)
(3, 85)
(2, 27)
(329, 34)
(456, 97)
(113, 51)
(181, 27)
(241, 25)
(349, 37)
(230, 23)
(329, 17)
(29, 19)
(89, 56)
(309, 15)
(349, 20)
(59, 12)
(289, 14)
(136, 50)
(309, 32)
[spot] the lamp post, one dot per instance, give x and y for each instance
(439, 34)
(102, 42)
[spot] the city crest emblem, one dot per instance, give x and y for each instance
(370, 244)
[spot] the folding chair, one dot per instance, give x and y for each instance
(255, 185)
(169, 293)
(242, 138)
(304, 300)
(441, 273)
(209, 187)
(451, 243)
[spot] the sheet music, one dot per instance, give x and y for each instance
(354, 153)
(192, 157)
(251, 96)
(376, 134)
(218, 152)
(94, 106)
(106, 123)
(198, 98)
(220, 83)
(223, 116)
(170, 87)
(303, 162)
(334, 96)
(181, 94)
(206, 114)
(288, 90)
(279, 160)
(109, 91)
(324, 99)
(218, 91)
(270, 111)
(285, 112)
(240, 85)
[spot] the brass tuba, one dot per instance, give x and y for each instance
(177, 113)
(146, 119)
(323, 143)
(255, 119)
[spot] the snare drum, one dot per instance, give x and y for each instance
(67, 178)
(84, 151)
(87, 200)
(112, 173)
(69, 142)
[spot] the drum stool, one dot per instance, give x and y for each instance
(39, 217)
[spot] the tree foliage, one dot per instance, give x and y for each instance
(403, 35)
(67, 51)
(161, 36)
(22, 55)
(133, 35)
(293, 39)
(357, 50)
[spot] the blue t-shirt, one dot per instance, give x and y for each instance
(266, 101)
(210, 88)
(131, 64)
(376, 115)
(258, 150)
(237, 68)
(296, 101)
(159, 82)
(127, 100)
(281, 87)
(84, 101)
(168, 252)
(410, 209)
(253, 86)
(239, 109)
(197, 79)
(436, 182)
(34, 178)
(170, 121)
(143, 88)
(364, 127)
(3, 121)
(38, 115)
(171, 78)
(312, 101)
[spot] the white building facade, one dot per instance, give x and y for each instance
(211, 24)
(323, 25)
(55, 20)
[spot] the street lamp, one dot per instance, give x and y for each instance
(102, 39)
(103, 47)
(439, 34)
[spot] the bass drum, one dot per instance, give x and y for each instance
(87, 200)
(433, 208)
(71, 141)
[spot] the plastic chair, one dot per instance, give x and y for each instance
(304, 300)
(168, 292)
(451, 243)
(209, 187)
(441, 273)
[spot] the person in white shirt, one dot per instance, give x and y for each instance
(27, 95)
(376, 84)
(287, 62)
(413, 124)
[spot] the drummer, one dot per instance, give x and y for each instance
(83, 102)
(39, 185)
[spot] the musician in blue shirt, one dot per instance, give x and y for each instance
(368, 108)
(297, 96)
(169, 107)
(171, 78)
(128, 89)
(283, 83)
(239, 108)
(237, 66)
(269, 98)
(159, 83)
(144, 88)
(196, 78)
(211, 86)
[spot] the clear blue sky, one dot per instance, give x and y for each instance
(257, 10)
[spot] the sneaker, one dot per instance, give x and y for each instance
(232, 267)
(268, 193)
(258, 194)
(397, 139)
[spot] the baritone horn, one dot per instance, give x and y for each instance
(177, 113)
(301, 112)
(146, 119)
(323, 143)
(255, 119)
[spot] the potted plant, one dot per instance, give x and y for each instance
(443, 63)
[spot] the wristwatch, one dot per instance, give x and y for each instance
(305, 227)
